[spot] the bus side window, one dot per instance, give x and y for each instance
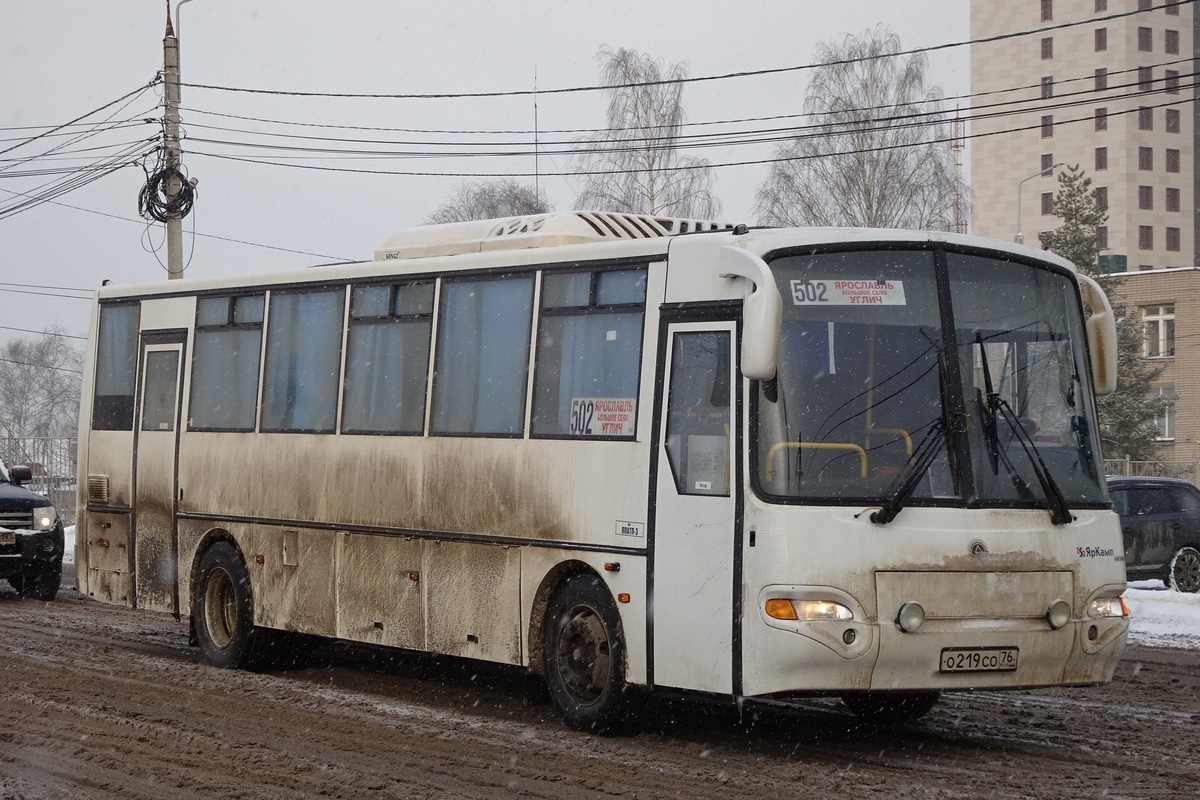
(698, 413)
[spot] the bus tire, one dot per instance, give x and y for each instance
(891, 707)
(584, 657)
(223, 610)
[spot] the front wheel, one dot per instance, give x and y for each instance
(1185, 570)
(223, 611)
(38, 585)
(584, 657)
(889, 707)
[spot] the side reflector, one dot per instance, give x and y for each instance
(612, 566)
(623, 597)
(259, 559)
(414, 576)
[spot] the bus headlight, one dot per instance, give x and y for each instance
(43, 518)
(807, 610)
(1108, 607)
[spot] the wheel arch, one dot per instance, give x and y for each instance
(551, 583)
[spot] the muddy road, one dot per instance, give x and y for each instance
(102, 702)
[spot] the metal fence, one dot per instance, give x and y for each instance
(52, 460)
(1188, 470)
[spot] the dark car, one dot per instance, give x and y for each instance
(31, 537)
(1160, 522)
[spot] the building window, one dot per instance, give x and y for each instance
(1100, 77)
(1164, 418)
(1047, 126)
(1145, 118)
(1146, 198)
(1171, 42)
(1145, 78)
(1047, 164)
(1048, 87)
(1102, 119)
(1101, 39)
(1173, 8)
(1101, 5)
(1172, 199)
(1145, 40)
(1047, 48)
(1172, 122)
(1102, 237)
(1172, 81)
(1145, 237)
(1101, 196)
(1047, 203)
(1144, 5)
(1101, 158)
(1146, 158)
(1047, 10)
(1159, 324)
(1173, 240)
(1172, 160)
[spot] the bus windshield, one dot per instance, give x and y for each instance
(956, 378)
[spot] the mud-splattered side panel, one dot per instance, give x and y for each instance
(379, 590)
(473, 600)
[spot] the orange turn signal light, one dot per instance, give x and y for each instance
(414, 576)
(623, 597)
(104, 543)
(778, 608)
(259, 559)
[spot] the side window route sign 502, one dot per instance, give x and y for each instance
(848, 292)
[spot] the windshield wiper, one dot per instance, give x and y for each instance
(996, 406)
(927, 451)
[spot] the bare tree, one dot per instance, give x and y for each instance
(635, 162)
(489, 200)
(878, 153)
(39, 386)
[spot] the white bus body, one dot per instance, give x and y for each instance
(751, 463)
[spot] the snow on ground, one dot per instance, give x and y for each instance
(1158, 617)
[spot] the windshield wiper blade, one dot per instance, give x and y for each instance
(996, 406)
(927, 451)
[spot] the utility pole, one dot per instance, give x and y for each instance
(173, 155)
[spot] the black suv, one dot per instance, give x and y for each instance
(1160, 522)
(31, 537)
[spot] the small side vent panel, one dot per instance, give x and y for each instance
(97, 489)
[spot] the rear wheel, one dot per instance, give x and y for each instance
(584, 656)
(223, 610)
(1185, 570)
(888, 707)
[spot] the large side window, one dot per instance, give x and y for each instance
(387, 358)
(225, 365)
(589, 353)
(116, 367)
(303, 366)
(482, 356)
(699, 413)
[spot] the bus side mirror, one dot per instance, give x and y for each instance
(1102, 336)
(761, 312)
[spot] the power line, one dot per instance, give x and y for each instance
(41, 366)
(44, 333)
(699, 79)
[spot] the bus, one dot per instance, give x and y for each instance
(626, 454)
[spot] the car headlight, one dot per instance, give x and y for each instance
(1108, 607)
(44, 517)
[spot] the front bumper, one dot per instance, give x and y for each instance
(31, 551)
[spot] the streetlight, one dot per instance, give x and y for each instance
(1020, 238)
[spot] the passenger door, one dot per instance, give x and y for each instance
(695, 514)
(156, 439)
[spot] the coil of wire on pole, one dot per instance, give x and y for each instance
(160, 199)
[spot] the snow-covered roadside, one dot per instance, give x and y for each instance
(1159, 617)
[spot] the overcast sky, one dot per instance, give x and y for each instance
(63, 59)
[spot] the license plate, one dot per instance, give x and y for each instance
(8, 537)
(978, 659)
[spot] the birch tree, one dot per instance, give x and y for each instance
(635, 163)
(489, 200)
(877, 150)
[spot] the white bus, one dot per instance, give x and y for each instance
(624, 453)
